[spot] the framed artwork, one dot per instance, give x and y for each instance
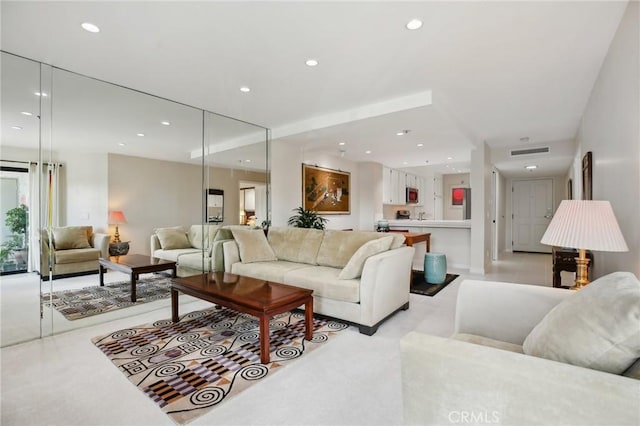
(215, 205)
(457, 197)
(326, 191)
(570, 189)
(587, 176)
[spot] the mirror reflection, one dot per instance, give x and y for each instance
(125, 173)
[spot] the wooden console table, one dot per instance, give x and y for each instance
(412, 238)
(564, 259)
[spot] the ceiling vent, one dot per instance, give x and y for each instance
(529, 151)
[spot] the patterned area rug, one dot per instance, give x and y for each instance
(420, 286)
(190, 367)
(94, 300)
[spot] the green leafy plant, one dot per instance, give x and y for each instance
(17, 221)
(307, 219)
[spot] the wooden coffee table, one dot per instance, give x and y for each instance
(134, 265)
(259, 298)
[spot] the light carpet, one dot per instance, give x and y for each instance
(190, 367)
(94, 300)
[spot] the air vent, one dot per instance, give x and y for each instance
(529, 151)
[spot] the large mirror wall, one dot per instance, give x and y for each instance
(97, 155)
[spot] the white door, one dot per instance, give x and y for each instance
(532, 211)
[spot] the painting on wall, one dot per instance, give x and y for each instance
(457, 196)
(325, 190)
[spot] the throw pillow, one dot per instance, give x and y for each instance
(71, 237)
(354, 267)
(598, 327)
(171, 239)
(253, 245)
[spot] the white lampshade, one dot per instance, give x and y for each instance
(585, 224)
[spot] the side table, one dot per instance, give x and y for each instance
(564, 259)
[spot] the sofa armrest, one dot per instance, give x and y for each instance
(101, 241)
(503, 311)
(217, 255)
(384, 284)
(445, 381)
(231, 254)
(154, 243)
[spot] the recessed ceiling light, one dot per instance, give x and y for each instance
(44, 95)
(312, 62)
(16, 127)
(341, 143)
(414, 24)
(92, 28)
(405, 163)
(449, 158)
(245, 89)
(121, 144)
(247, 161)
(531, 167)
(367, 152)
(165, 123)
(26, 113)
(140, 134)
(524, 139)
(402, 132)
(420, 144)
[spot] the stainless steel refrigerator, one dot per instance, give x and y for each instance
(466, 204)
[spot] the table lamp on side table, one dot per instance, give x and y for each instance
(584, 225)
(117, 248)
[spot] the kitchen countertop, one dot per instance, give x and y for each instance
(429, 223)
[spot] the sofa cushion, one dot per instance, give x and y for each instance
(194, 261)
(339, 246)
(296, 244)
(72, 237)
(353, 268)
(174, 254)
(201, 236)
(171, 239)
(324, 282)
(271, 271)
(485, 341)
(598, 327)
(253, 245)
(76, 255)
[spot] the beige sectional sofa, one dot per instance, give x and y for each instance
(530, 355)
(196, 250)
(357, 276)
(72, 250)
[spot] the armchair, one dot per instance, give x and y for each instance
(480, 375)
(74, 251)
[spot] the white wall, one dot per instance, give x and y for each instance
(480, 179)
(85, 190)
(370, 199)
(610, 129)
(286, 183)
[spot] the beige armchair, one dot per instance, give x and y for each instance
(74, 251)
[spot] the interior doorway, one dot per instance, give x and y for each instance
(532, 209)
(253, 203)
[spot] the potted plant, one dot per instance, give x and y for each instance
(17, 221)
(307, 219)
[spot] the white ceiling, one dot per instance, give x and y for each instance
(475, 71)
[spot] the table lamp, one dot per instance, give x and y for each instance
(116, 217)
(584, 225)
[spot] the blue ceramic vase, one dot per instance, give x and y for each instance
(435, 268)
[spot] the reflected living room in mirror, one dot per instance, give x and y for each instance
(111, 149)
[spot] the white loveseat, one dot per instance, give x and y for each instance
(196, 250)
(481, 376)
(357, 276)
